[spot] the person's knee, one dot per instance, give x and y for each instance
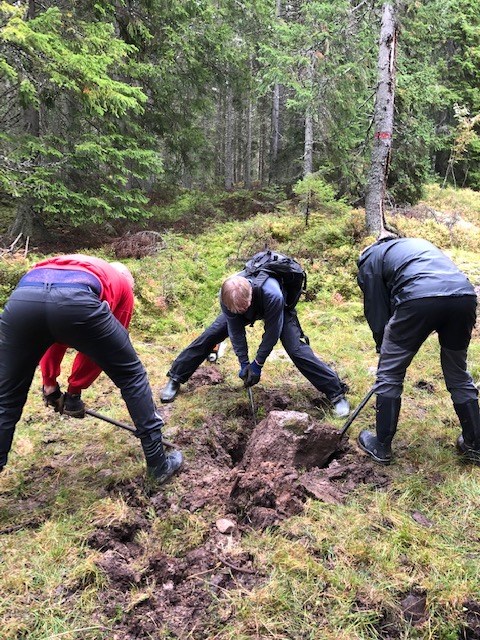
(390, 387)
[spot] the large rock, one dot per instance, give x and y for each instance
(265, 486)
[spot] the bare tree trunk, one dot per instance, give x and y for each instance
(308, 145)
(275, 140)
(248, 146)
(219, 139)
(24, 221)
(383, 120)
(229, 140)
(262, 143)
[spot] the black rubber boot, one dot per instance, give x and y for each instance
(468, 444)
(160, 466)
(379, 447)
(169, 391)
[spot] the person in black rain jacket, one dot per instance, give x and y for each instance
(411, 289)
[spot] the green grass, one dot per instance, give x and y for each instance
(336, 572)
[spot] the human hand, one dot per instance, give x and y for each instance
(54, 399)
(243, 370)
(254, 372)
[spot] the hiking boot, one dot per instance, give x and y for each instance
(379, 447)
(160, 474)
(341, 408)
(169, 391)
(74, 405)
(468, 453)
(381, 453)
(54, 399)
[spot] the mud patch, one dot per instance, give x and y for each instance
(205, 376)
(342, 476)
(425, 385)
(414, 608)
(471, 631)
(253, 477)
(149, 593)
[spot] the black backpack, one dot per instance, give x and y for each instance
(289, 273)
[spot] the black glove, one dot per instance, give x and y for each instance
(74, 406)
(243, 373)
(254, 372)
(55, 399)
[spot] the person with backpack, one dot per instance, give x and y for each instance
(411, 289)
(268, 289)
(70, 300)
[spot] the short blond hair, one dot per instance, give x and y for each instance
(236, 294)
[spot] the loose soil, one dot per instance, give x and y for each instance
(236, 481)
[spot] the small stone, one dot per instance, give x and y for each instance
(224, 525)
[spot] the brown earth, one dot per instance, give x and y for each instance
(239, 481)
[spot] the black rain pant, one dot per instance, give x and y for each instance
(453, 318)
(35, 318)
(315, 370)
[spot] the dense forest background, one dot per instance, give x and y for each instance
(108, 106)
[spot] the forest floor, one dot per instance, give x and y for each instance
(274, 528)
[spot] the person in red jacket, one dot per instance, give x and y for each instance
(84, 370)
(86, 303)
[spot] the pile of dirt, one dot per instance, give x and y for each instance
(266, 486)
(239, 478)
(205, 376)
(138, 245)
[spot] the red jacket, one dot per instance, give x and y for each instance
(116, 290)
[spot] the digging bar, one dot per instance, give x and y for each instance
(122, 425)
(356, 411)
(252, 404)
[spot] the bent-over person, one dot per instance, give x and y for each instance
(411, 289)
(242, 304)
(67, 301)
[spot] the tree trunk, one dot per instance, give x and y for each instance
(229, 140)
(383, 121)
(308, 146)
(308, 142)
(275, 140)
(24, 221)
(248, 146)
(219, 137)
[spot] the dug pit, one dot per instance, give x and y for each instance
(237, 479)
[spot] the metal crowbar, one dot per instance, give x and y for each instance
(122, 425)
(356, 411)
(252, 404)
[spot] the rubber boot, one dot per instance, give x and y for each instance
(468, 444)
(379, 447)
(160, 466)
(169, 391)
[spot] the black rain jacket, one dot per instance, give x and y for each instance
(395, 270)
